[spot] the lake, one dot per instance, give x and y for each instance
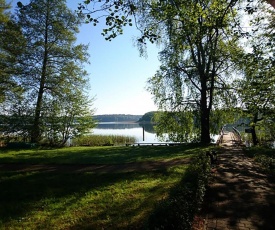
(131, 129)
(144, 133)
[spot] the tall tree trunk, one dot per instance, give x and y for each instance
(205, 113)
(253, 130)
(36, 131)
(254, 135)
(205, 128)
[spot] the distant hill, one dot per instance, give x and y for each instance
(117, 118)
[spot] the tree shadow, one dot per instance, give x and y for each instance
(240, 194)
(102, 155)
(25, 193)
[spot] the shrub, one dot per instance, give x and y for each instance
(179, 209)
(268, 163)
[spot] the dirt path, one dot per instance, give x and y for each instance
(239, 196)
(96, 168)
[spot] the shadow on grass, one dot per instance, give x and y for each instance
(241, 191)
(74, 200)
(99, 155)
(64, 199)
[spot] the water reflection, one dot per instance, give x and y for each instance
(142, 132)
(117, 125)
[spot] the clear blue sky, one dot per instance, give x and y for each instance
(118, 74)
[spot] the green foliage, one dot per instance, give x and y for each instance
(103, 140)
(256, 88)
(220, 117)
(265, 156)
(177, 126)
(194, 76)
(117, 14)
(17, 126)
(67, 117)
(148, 117)
(51, 105)
(201, 52)
(9, 52)
(178, 210)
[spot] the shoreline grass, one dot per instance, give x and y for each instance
(103, 140)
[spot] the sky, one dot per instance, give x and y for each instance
(117, 73)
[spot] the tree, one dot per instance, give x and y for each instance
(12, 44)
(199, 46)
(68, 118)
(147, 117)
(256, 89)
(256, 92)
(199, 40)
(53, 63)
(272, 2)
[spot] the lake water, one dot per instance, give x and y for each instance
(143, 133)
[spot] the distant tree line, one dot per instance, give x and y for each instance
(116, 118)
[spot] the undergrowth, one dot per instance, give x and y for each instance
(264, 156)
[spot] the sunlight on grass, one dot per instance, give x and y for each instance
(87, 200)
(97, 155)
(84, 201)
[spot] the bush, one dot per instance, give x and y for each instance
(268, 163)
(179, 209)
(20, 145)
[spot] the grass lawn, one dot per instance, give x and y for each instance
(97, 155)
(47, 200)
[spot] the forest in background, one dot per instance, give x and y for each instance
(116, 118)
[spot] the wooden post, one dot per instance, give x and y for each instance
(143, 133)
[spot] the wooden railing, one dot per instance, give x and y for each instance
(237, 136)
(220, 138)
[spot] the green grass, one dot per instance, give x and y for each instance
(265, 156)
(97, 155)
(260, 150)
(44, 200)
(84, 201)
